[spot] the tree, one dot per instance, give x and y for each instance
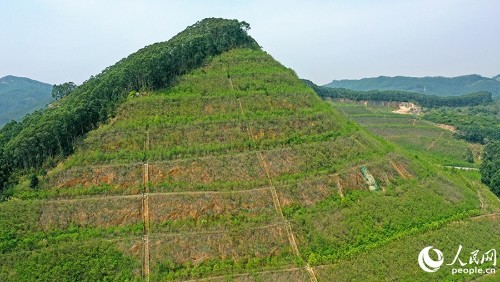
(312, 259)
(469, 157)
(51, 132)
(62, 90)
(490, 168)
(495, 183)
(34, 181)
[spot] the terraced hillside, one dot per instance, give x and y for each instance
(238, 171)
(418, 136)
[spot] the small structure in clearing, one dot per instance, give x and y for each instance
(407, 108)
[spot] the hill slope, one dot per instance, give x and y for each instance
(237, 171)
(442, 86)
(50, 135)
(20, 96)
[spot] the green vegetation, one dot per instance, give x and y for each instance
(365, 220)
(490, 168)
(52, 132)
(21, 96)
(441, 86)
(479, 124)
(398, 259)
(62, 90)
(430, 101)
(426, 141)
(476, 124)
(91, 261)
(214, 132)
(235, 169)
(192, 255)
(417, 135)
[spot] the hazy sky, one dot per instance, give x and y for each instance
(68, 40)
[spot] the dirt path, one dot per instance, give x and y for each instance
(145, 218)
(224, 277)
(104, 197)
(434, 141)
(277, 205)
(401, 171)
(145, 265)
(337, 181)
(145, 212)
(221, 231)
(96, 198)
(145, 177)
(230, 82)
(446, 127)
(345, 114)
(485, 215)
(360, 144)
(480, 199)
(209, 192)
(146, 145)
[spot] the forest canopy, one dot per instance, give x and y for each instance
(430, 101)
(50, 133)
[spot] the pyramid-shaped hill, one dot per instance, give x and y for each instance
(238, 171)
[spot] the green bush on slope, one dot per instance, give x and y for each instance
(52, 132)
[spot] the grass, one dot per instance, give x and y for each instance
(335, 227)
(38, 223)
(418, 136)
(94, 260)
(216, 144)
(220, 253)
(211, 211)
(398, 259)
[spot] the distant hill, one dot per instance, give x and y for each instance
(441, 86)
(425, 100)
(20, 95)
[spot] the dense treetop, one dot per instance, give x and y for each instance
(50, 133)
(441, 86)
(424, 100)
(490, 167)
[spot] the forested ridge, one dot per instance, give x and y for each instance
(430, 101)
(436, 85)
(49, 134)
(21, 95)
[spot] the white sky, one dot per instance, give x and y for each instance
(55, 41)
